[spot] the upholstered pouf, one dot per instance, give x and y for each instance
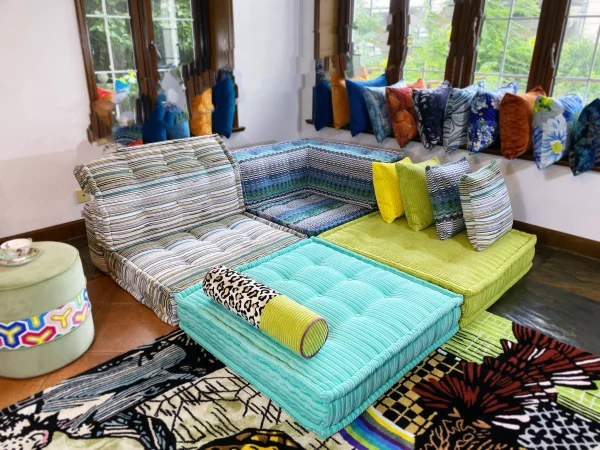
(45, 314)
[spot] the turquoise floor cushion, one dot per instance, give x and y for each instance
(382, 323)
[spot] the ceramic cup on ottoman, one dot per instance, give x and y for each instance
(45, 314)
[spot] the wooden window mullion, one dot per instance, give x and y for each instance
(397, 40)
(467, 22)
(544, 62)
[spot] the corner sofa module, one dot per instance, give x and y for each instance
(480, 277)
(382, 323)
(309, 185)
(163, 215)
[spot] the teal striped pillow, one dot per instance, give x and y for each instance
(486, 206)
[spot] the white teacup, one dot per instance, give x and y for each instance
(16, 249)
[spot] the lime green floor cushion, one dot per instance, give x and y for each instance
(382, 323)
(480, 277)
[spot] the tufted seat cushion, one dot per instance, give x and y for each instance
(382, 322)
(156, 270)
(481, 277)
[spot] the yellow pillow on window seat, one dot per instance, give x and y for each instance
(202, 108)
(387, 190)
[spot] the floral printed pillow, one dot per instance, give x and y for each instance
(585, 152)
(379, 113)
(484, 129)
(552, 127)
(430, 105)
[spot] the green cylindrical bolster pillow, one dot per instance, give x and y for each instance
(289, 323)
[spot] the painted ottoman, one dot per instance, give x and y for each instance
(45, 314)
(480, 277)
(382, 322)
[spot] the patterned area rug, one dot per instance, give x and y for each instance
(495, 385)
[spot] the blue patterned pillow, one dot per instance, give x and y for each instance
(442, 185)
(484, 129)
(379, 113)
(585, 152)
(359, 115)
(430, 105)
(552, 127)
(456, 116)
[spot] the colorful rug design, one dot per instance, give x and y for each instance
(495, 385)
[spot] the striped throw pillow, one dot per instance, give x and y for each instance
(456, 116)
(442, 184)
(486, 206)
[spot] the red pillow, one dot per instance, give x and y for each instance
(402, 112)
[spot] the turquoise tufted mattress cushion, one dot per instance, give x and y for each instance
(382, 323)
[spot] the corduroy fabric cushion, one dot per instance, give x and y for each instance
(153, 272)
(486, 206)
(359, 114)
(516, 112)
(442, 184)
(379, 113)
(429, 105)
(585, 153)
(456, 116)
(481, 277)
(415, 197)
(387, 190)
(339, 98)
(552, 127)
(402, 113)
(382, 323)
(483, 130)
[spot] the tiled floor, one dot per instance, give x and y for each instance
(560, 296)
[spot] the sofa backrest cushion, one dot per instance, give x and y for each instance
(151, 193)
(338, 170)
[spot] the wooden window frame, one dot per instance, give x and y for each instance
(214, 49)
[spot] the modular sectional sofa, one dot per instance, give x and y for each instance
(163, 214)
(310, 185)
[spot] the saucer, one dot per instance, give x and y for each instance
(30, 256)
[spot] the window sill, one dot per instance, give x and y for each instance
(238, 129)
(489, 151)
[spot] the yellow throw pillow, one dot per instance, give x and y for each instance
(339, 99)
(415, 196)
(202, 108)
(387, 190)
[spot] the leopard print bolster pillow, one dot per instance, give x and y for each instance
(291, 324)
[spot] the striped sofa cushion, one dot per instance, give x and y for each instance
(337, 170)
(155, 191)
(486, 206)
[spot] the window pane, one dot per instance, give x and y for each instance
(369, 35)
(160, 9)
(429, 35)
(98, 43)
(117, 7)
(185, 38)
(121, 43)
(507, 40)
(93, 7)
(569, 87)
(183, 9)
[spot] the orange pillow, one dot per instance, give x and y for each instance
(516, 114)
(402, 112)
(202, 108)
(339, 99)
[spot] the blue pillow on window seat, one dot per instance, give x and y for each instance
(359, 114)
(223, 97)
(155, 126)
(322, 105)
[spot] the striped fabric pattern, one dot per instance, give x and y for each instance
(442, 184)
(151, 193)
(165, 213)
(456, 116)
(309, 185)
(486, 205)
(155, 271)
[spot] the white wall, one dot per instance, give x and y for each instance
(43, 129)
(552, 198)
